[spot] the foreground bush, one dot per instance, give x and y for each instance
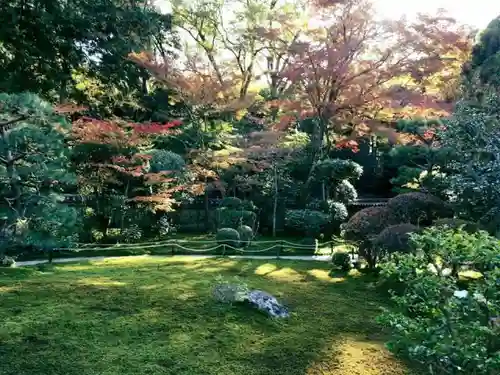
(367, 223)
(307, 222)
(342, 261)
(418, 208)
(395, 238)
(468, 226)
(445, 328)
(228, 236)
(7, 261)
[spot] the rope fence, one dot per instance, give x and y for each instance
(181, 247)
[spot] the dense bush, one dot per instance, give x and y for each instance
(6, 261)
(246, 235)
(318, 205)
(345, 192)
(338, 212)
(367, 223)
(228, 236)
(445, 328)
(307, 222)
(232, 203)
(490, 221)
(336, 170)
(230, 218)
(418, 208)
(342, 261)
(132, 233)
(473, 133)
(395, 238)
(163, 160)
(450, 223)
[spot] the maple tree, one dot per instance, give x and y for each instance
(347, 71)
(112, 164)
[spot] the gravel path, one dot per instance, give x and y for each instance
(319, 258)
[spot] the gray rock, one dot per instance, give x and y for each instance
(267, 303)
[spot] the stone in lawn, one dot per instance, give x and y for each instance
(229, 293)
(267, 303)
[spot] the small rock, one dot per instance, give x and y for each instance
(267, 303)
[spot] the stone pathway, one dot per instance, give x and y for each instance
(318, 258)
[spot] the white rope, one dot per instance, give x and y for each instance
(283, 244)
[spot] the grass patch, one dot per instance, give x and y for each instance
(132, 316)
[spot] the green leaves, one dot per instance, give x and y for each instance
(450, 295)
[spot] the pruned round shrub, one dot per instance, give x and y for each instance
(338, 212)
(7, 261)
(318, 205)
(228, 236)
(468, 226)
(345, 191)
(132, 234)
(248, 205)
(418, 208)
(232, 203)
(368, 222)
(307, 222)
(337, 169)
(163, 160)
(231, 218)
(246, 235)
(395, 238)
(342, 261)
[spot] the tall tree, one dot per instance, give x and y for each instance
(44, 41)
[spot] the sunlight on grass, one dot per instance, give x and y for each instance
(134, 316)
(100, 281)
(357, 357)
(323, 275)
(265, 269)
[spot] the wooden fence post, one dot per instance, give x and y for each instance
(223, 249)
(280, 248)
(172, 249)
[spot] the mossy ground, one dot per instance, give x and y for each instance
(149, 316)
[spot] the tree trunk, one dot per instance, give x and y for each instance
(15, 188)
(207, 209)
(275, 202)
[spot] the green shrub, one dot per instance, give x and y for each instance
(307, 222)
(247, 205)
(318, 205)
(246, 235)
(163, 160)
(345, 191)
(232, 203)
(491, 221)
(367, 223)
(342, 261)
(132, 234)
(418, 208)
(7, 261)
(468, 226)
(230, 218)
(395, 238)
(436, 323)
(337, 170)
(228, 236)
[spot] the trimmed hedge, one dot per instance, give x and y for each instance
(368, 222)
(418, 208)
(395, 238)
(228, 236)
